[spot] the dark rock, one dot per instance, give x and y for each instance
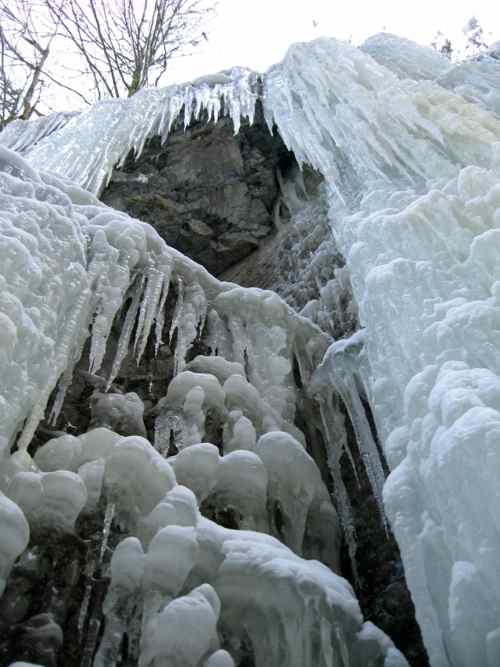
(208, 192)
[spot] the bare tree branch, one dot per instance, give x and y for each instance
(127, 44)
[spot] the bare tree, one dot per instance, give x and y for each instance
(23, 54)
(126, 45)
(27, 36)
(474, 34)
(442, 44)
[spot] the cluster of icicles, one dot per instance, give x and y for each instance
(86, 147)
(179, 581)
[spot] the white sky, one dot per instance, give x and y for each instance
(256, 33)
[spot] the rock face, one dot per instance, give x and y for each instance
(209, 193)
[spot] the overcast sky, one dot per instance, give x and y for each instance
(256, 33)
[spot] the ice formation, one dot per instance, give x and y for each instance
(409, 149)
(126, 125)
(162, 573)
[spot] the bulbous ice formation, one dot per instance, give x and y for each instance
(15, 536)
(137, 477)
(51, 500)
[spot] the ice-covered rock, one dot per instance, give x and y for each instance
(51, 500)
(242, 488)
(137, 477)
(15, 536)
(122, 413)
(184, 632)
(197, 467)
(294, 481)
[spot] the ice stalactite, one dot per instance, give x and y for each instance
(188, 320)
(156, 288)
(20, 136)
(86, 147)
(122, 348)
(335, 436)
(341, 368)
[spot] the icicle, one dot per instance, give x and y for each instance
(342, 361)
(21, 135)
(108, 520)
(110, 291)
(218, 338)
(84, 608)
(86, 150)
(330, 418)
(239, 338)
(149, 309)
(188, 320)
(160, 317)
(366, 443)
(126, 331)
(68, 354)
(176, 325)
(334, 453)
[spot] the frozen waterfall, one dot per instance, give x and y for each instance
(409, 149)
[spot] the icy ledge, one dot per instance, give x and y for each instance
(86, 147)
